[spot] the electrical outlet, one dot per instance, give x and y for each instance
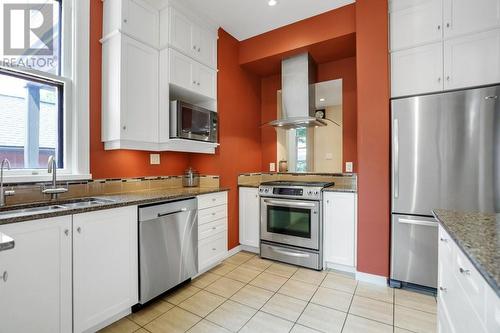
(348, 167)
(154, 159)
(329, 156)
(272, 167)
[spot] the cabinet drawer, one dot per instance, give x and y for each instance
(211, 248)
(212, 200)
(471, 282)
(212, 214)
(446, 247)
(209, 229)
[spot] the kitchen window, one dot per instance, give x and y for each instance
(44, 88)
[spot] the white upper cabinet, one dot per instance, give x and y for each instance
(35, 277)
(468, 16)
(472, 60)
(417, 70)
(135, 18)
(249, 217)
(415, 24)
(105, 266)
(130, 92)
(193, 40)
(192, 76)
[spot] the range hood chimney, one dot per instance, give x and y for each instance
(298, 75)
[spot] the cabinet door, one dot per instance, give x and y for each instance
(418, 70)
(416, 24)
(466, 16)
(105, 265)
(35, 295)
(141, 21)
(181, 34)
(140, 92)
(339, 225)
(181, 70)
(472, 60)
(205, 78)
(204, 46)
(249, 217)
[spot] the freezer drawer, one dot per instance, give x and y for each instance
(291, 255)
(414, 250)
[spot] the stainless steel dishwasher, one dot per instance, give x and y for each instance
(168, 246)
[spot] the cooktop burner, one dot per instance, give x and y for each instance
(298, 183)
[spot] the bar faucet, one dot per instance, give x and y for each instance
(54, 191)
(4, 193)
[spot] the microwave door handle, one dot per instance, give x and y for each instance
(287, 203)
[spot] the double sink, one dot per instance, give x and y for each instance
(54, 207)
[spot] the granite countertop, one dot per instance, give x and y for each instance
(117, 200)
(477, 235)
(334, 188)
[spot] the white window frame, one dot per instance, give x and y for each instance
(75, 79)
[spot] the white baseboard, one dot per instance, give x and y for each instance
(233, 251)
(371, 278)
(338, 267)
(109, 321)
(252, 249)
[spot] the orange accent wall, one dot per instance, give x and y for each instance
(118, 163)
(239, 110)
(373, 136)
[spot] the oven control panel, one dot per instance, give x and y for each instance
(309, 193)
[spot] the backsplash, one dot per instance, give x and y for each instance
(29, 193)
(340, 179)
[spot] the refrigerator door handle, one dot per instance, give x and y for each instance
(396, 158)
(418, 222)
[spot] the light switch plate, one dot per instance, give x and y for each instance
(348, 167)
(329, 156)
(154, 159)
(272, 167)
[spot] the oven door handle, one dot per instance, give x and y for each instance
(290, 253)
(292, 204)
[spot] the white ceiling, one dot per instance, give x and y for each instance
(247, 18)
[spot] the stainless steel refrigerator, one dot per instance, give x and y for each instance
(445, 154)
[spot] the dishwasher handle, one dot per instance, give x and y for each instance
(182, 210)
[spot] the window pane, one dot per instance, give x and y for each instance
(30, 122)
(301, 149)
(32, 34)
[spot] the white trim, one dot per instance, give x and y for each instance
(75, 79)
(109, 321)
(341, 268)
(371, 278)
(248, 248)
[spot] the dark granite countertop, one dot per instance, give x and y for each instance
(334, 188)
(118, 200)
(477, 235)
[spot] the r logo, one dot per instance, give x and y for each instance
(28, 29)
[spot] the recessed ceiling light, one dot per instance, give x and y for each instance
(322, 99)
(272, 2)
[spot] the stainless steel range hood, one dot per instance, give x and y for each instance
(298, 75)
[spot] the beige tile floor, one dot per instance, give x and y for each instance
(249, 294)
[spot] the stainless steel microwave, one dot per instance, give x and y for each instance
(192, 122)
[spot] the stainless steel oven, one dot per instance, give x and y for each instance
(291, 222)
(192, 122)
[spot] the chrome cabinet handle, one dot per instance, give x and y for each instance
(439, 27)
(443, 289)
(214, 249)
(396, 158)
(491, 97)
(5, 276)
(443, 240)
(79, 230)
(448, 78)
(66, 232)
(464, 271)
(213, 199)
(439, 79)
(448, 25)
(194, 47)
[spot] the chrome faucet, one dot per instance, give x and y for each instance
(54, 191)
(4, 193)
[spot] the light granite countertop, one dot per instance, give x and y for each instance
(118, 200)
(477, 235)
(334, 188)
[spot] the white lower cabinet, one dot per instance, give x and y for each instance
(339, 230)
(35, 277)
(212, 229)
(105, 266)
(466, 303)
(249, 205)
